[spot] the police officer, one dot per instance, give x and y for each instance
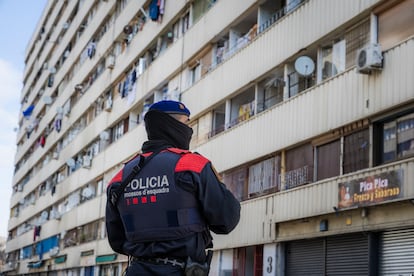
(164, 202)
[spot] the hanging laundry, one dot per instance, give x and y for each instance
(120, 87)
(162, 6)
(91, 49)
(125, 87)
(154, 10)
(58, 125)
(133, 76)
(36, 232)
(42, 141)
(132, 94)
(50, 80)
(29, 130)
(40, 249)
(28, 111)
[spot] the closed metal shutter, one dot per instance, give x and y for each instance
(347, 255)
(397, 252)
(305, 257)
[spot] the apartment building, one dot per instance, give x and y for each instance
(306, 108)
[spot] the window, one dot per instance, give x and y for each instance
(395, 138)
(333, 59)
(199, 8)
(108, 270)
(272, 94)
(195, 73)
(120, 129)
(248, 260)
(328, 160)
(235, 181)
(356, 151)
(70, 238)
(263, 177)
(356, 38)
(242, 106)
(299, 166)
(89, 232)
(185, 22)
(218, 120)
(392, 31)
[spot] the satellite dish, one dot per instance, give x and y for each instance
(44, 215)
(88, 192)
(47, 99)
(304, 65)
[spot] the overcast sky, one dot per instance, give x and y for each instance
(18, 20)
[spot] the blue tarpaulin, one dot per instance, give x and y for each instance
(28, 111)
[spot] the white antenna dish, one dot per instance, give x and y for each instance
(304, 65)
(47, 99)
(44, 215)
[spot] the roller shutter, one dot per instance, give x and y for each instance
(347, 255)
(305, 257)
(333, 255)
(397, 252)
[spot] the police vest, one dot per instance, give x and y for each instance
(153, 207)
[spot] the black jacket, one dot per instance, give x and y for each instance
(217, 205)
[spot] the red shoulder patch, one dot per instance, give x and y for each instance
(191, 162)
(178, 151)
(116, 178)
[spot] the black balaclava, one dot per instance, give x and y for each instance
(161, 126)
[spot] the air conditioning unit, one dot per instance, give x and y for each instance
(55, 155)
(369, 58)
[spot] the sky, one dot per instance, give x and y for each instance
(18, 20)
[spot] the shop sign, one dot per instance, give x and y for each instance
(371, 190)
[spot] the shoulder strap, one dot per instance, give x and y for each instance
(135, 170)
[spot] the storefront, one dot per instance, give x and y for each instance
(334, 255)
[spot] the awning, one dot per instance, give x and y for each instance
(60, 259)
(35, 264)
(106, 258)
(87, 253)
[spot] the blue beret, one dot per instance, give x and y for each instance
(171, 107)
